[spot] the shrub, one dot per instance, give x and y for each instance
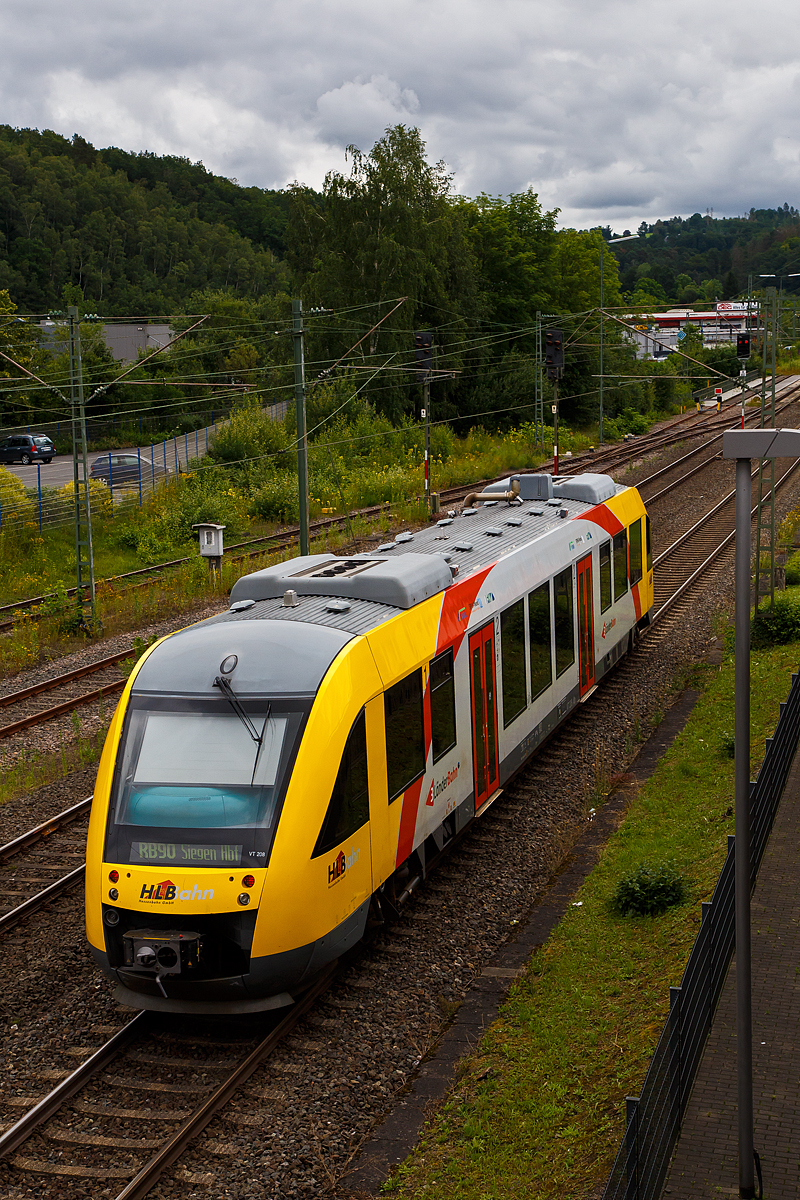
(251, 434)
(16, 508)
(778, 624)
(793, 570)
(277, 500)
(650, 889)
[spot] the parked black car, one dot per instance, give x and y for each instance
(27, 448)
(122, 470)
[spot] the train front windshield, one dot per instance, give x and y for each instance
(200, 786)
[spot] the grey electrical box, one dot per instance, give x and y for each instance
(210, 539)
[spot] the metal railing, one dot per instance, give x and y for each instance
(653, 1118)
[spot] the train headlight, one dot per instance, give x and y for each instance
(249, 881)
(243, 898)
(113, 876)
(111, 916)
(113, 894)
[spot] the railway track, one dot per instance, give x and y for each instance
(39, 707)
(29, 877)
(151, 1120)
(613, 458)
(35, 704)
(112, 1121)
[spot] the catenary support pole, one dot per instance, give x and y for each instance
(744, 1032)
(300, 406)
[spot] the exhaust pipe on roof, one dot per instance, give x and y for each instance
(513, 494)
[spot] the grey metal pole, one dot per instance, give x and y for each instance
(744, 1031)
(302, 437)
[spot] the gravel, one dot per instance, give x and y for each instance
(291, 1132)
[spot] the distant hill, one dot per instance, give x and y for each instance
(706, 257)
(138, 233)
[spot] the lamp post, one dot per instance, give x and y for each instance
(612, 242)
(743, 445)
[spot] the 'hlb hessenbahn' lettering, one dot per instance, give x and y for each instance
(166, 890)
(341, 864)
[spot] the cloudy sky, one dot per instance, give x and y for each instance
(614, 112)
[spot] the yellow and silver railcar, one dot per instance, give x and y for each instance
(275, 774)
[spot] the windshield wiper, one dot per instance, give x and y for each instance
(235, 704)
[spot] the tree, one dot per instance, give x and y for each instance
(386, 230)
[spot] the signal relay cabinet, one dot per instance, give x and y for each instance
(210, 539)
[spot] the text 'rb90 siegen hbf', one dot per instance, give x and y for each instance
(279, 774)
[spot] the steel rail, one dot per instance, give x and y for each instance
(50, 685)
(149, 1174)
(22, 1129)
(26, 840)
(617, 456)
(15, 915)
(715, 553)
(58, 710)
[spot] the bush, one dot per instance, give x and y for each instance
(277, 500)
(650, 889)
(252, 435)
(777, 625)
(793, 570)
(16, 508)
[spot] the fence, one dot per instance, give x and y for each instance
(154, 463)
(653, 1119)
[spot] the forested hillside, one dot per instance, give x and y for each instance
(386, 248)
(703, 258)
(137, 234)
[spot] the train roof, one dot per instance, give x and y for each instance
(357, 592)
(288, 622)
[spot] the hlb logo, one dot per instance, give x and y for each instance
(167, 891)
(158, 891)
(341, 864)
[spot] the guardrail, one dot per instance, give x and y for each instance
(653, 1118)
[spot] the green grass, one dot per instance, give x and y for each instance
(538, 1110)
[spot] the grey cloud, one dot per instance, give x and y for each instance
(620, 111)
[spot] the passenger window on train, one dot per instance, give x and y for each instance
(512, 649)
(405, 733)
(605, 576)
(443, 705)
(620, 564)
(539, 625)
(564, 621)
(349, 805)
(635, 540)
(649, 543)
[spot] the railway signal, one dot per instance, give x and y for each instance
(554, 353)
(743, 345)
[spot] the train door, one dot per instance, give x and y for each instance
(484, 713)
(585, 624)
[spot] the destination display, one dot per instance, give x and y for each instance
(185, 854)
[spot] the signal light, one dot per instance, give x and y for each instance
(423, 352)
(743, 345)
(554, 353)
(249, 881)
(113, 876)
